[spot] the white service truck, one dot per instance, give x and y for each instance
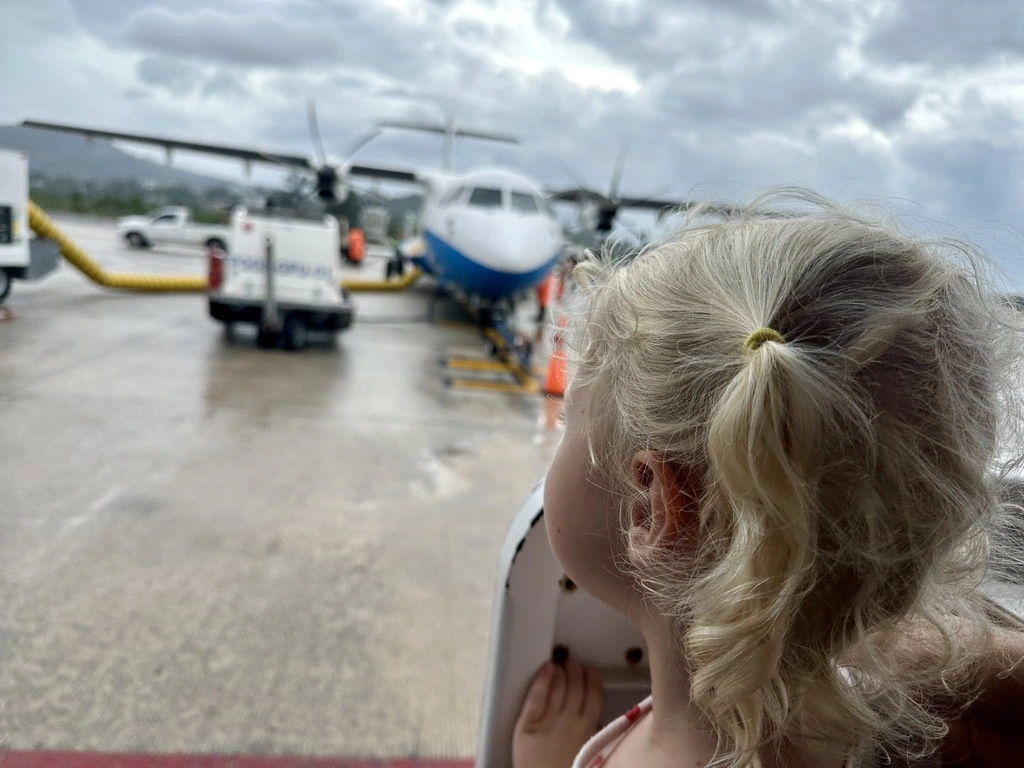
(171, 225)
(281, 273)
(22, 257)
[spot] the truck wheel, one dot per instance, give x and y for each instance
(5, 284)
(136, 240)
(216, 242)
(293, 333)
(267, 339)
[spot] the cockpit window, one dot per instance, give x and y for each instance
(452, 195)
(484, 197)
(524, 202)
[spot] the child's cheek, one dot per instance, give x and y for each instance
(582, 529)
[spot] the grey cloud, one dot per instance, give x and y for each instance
(401, 48)
(257, 37)
(743, 62)
(471, 30)
(800, 89)
(948, 34)
(181, 77)
(176, 76)
(733, 94)
(565, 124)
(966, 177)
(136, 94)
(113, 12)
(226, 84)
(663, 33)
(49, 18)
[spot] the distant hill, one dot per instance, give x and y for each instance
(65, 155)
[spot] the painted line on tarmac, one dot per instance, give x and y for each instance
(26, 759)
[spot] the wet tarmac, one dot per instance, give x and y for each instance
(207, 547)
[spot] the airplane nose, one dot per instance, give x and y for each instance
(519, 245)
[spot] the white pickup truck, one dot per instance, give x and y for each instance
(170, 225)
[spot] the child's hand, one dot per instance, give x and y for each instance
(560, 713)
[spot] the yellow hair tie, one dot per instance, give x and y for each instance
(760, 336)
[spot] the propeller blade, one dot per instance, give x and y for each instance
(361, 141)
(620, 164)
(314, 133)
(572, 175)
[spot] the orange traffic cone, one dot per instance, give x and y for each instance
(554, 382)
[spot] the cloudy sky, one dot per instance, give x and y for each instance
(918, 102)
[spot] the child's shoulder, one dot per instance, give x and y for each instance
(600, 750)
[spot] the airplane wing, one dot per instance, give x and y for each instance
(575, 195)
(670, 206)
(584, 195)
(384, 174)
(650, 204)
(241, 153)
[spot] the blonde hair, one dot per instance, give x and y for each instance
(848, 467)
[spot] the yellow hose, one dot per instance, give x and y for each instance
(43, 226)
(400, 284)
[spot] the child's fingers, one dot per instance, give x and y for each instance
(595, 694)
(537, 697)
(559, 686)
(576, 686)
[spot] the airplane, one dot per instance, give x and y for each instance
(487, 236)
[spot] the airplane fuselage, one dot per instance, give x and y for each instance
(488, 233)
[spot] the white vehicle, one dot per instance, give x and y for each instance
(282, 274)
(170, 225)
(21, 256)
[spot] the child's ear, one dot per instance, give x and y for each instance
(667, 511)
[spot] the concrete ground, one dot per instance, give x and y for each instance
(207, 547)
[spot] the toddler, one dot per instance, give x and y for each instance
(785, 436)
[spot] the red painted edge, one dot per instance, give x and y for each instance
(26, 759)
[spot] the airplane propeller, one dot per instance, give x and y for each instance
(330, 185)
(606, 206)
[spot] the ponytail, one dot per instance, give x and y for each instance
(760, 529)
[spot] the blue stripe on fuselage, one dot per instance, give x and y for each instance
(452, 266)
